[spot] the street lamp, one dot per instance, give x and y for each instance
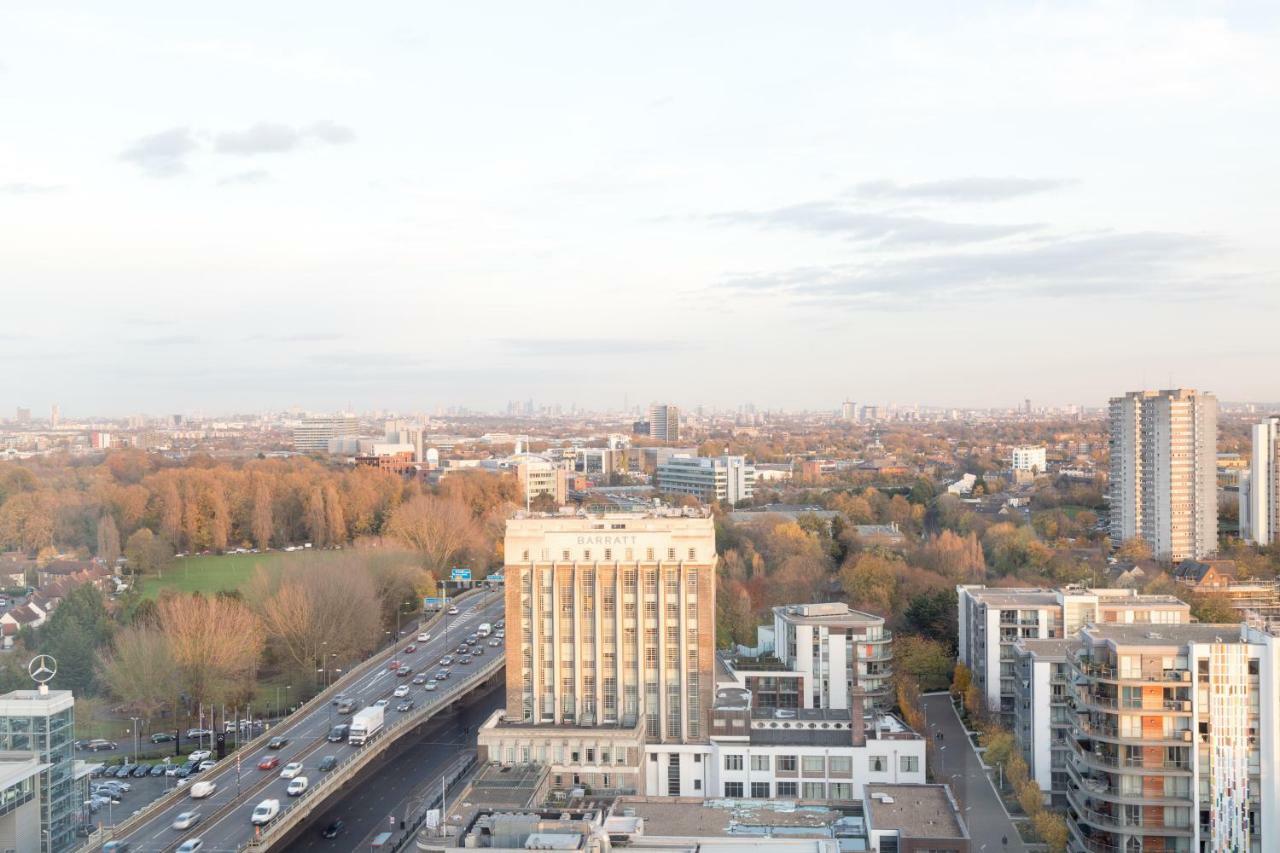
(135, 738)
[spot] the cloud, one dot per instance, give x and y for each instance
(163, 154)
(168, 340)
(273, 138)
(583, 347)
(1097, 266)
(23, 188)
(958, 189)
(240, 179)
(299, 337)
(827, 218)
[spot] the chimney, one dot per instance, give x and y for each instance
(857, 700)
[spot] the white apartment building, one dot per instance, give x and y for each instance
(1260, 491)
(993, 620)
(611, 653)
(1041, 716)
(664, 422)
(1163, 485)
(1029, 458)
(314, 434)
(1175, 739)
(707, 478)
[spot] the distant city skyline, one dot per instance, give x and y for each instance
(970, 205)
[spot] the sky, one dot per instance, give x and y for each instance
(406, 205)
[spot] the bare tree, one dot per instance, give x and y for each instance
(216, 643)
(441, 529)
(140, 670)
(108, 540)
(261, 518)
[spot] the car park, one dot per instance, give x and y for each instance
(292, 769)
(268, 762)
(328, 763)
(401, 691)
(297, 786)
(186, 820)
(406, 705)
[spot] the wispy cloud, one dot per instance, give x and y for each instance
(273, 138)
(958, 189)
(163, 154)
(299, 337)
(829, 218)
(24, 188)
(584, 347)
(242, 179)
(1095, 266)
(169, 340)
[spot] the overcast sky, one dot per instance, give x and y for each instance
(248, 206)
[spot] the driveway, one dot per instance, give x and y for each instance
(958, 766)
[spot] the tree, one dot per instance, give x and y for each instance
(140, 671)
(108, 540)
(869, 581)
(440, 529)
(1052, 829)
(147, 553)
(1212, 607)
(1134, 550)
(78, 627)
(1030, 797)
(929, 662)
(801, 578)
(932, 615)
(260, 514)
(961, 679)
(216, 643)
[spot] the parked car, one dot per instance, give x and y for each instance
(277, 742)
(157, 769)
(162, 737)
(190, 846)
(141, 771)
(297, 786)
(334, 829)
(207, 764)
(401, 691)
(268, 762)
(328, 763)
(199, 755)
(183, 772)
(292, 769)
(125, 771)
(186, 820)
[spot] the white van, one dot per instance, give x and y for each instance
(265, 812)
(200, 790)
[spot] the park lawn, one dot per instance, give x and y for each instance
(215, 572)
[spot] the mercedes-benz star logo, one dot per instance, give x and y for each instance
(42, 668)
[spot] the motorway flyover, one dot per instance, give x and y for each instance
(224, 823)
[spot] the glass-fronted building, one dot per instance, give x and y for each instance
(42, 725)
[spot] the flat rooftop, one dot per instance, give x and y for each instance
(1166, 635)
(1048, 648)
(916, 811)
(1024, 597)
(833, 613)
(729, 818)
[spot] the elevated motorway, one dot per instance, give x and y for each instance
(224, 825)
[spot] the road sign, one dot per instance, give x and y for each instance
(434, 603)
(460, 575)
(495, 578)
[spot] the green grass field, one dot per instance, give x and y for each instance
(221, 571)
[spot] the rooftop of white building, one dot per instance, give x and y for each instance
(835, 613)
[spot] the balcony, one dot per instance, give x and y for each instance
(1079, 802)
(1096, 787)
(1110, 733)
(1085, 837)
(1090, 699)
(1112, 763)
(1110, 673)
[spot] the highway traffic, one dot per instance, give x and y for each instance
(237, 787)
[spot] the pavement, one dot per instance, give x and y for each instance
(395, 787)
(958, 765)
(241, 786)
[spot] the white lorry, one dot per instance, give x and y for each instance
(365, 724)
(485, 629)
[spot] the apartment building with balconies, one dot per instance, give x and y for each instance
(1042, 718)
(1172, 728)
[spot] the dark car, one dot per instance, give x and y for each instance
(328, 763)
(462, 649)
(124, 771)
(477, 651)
(464, 659)
(338, 733)
(162, 737)
(404, 671)
(277, 742)
(420, 678)
(156, 770)
(406, 705)
(333, 830)
(182, 772)
(116, 847)
(441, 675)
(141, 771)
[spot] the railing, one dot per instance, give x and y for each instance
(343, 772)
(1109, 762)
(453, 776)
(319, 700)
(1139, 822)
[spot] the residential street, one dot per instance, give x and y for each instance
(958, 766)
